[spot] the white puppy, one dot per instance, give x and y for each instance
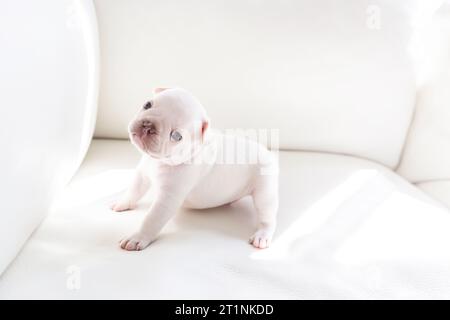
(191, 166)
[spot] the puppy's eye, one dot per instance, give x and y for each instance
(175, 136)
(148, 105)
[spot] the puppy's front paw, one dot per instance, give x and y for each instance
(136, 242)
(261, 239)
(123, 206)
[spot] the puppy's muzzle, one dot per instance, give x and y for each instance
(144, 128)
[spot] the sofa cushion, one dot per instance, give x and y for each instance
(439, 190)
(348, 228)
(330, 77)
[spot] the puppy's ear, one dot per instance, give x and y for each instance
(205, 126)
(158, 90)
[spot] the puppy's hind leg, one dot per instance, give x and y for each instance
(265, 200)
(138, 187)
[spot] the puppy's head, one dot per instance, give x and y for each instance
(170, 125)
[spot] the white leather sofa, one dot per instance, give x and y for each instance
(358, 92)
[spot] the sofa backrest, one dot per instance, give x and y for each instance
(331, 76)
(427, 150)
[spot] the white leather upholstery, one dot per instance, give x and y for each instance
(49, 86)
(348, 228)
(427, 150)
(331, 77)
(439, 190)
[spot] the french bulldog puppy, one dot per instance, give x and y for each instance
(192, 166)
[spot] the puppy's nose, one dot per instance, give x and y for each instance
(147, 128)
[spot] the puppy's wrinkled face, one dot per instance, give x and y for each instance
(169, 125)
